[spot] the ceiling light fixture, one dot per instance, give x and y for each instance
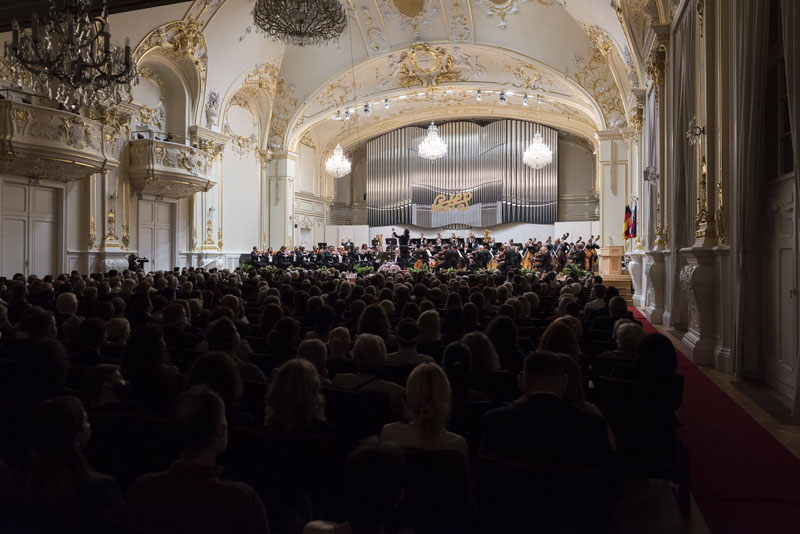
(367, 109)
(338, 165)
(479, 96)
(386, 103)
(70, 56)
(525, 100)
(300, 22)
(433, 146)
(538, 155)
(501, 98)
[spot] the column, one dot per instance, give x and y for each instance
(280, 198)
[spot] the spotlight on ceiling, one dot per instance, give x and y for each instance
(479, 96)
(386, 103)
(525, 100)
(347, 115)
(502, 98)
(367, 109)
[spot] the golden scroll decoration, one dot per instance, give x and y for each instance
(460, 202)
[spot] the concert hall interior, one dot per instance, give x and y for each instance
(219, 182)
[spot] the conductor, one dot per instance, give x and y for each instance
(402, 241)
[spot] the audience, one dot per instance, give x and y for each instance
(191, 497)
(428, 394)
(407, 338)
(455, 341)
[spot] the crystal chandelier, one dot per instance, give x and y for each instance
(432, 147)
(338, 165)
(69, 57)
(538, 155)
(300, 22)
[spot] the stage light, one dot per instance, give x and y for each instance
(367, 109)
(525, 100)
(479, 95)
(501, 98)
(347, 115)
(386, 103)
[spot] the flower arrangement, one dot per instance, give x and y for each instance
(423, 269)
(389, 267)
(364, 269)
(573, 269)
(271, 269)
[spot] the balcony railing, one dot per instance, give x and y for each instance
(44, 142)
(164, 165)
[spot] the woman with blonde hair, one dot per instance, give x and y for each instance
(339, 344)
(294, 401)
(428, 395)
(483, 357)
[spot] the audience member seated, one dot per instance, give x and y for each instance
(375, 321)
(295, 405)
(374, 477)
(542, 427)
(41, 373)
(369, 355)
(407, 337)
(428, 394)
(627, 335)
(324, 319)
(93, 336)
(559, 337)
(66, 307)
(118, 330)
(219, 371)
(191, 497)
(153, 380)
(315, 352)
(175, 321)
(503, 333)
(54, 489)
(339, 344)
(106, 391)
(483, 357)
(597, 302)
(282, 340)
(575, 393)
(223, 336)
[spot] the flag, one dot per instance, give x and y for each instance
(633, 224)
(626, 224)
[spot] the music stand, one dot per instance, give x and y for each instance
(322, 245)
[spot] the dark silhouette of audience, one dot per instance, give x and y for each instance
(281, 377)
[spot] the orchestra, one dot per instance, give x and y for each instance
(470, 254)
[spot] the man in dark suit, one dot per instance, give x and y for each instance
(175, 322)
(544, 428)
(451, 257)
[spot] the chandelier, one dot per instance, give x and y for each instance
(432, 147)
(68, 56)
(338, 165)
(538, 155)
(300, 22)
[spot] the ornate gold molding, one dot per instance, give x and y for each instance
(92, 242)
(426, 66)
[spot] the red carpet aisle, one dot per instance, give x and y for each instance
(743, 479)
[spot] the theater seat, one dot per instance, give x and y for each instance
(358, 414)
(516, 497)
(436, 497)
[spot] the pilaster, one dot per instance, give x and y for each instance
(697, 282)
(280, 198)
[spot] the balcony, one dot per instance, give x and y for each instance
(43, 142)
(167, 166)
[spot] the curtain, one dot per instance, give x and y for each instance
(684, 163)
(748, 52)
(790, 13)
(650, 145)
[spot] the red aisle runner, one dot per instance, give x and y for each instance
(743, 479)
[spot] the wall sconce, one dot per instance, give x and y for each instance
(694, 132)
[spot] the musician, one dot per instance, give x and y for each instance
(471, 243)
(402, 241)
(541, 259)
(591, 253)
(451, 257)
(578, 255)
(482, 257)
(282, 259)
(269, 260)
(255, 258)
